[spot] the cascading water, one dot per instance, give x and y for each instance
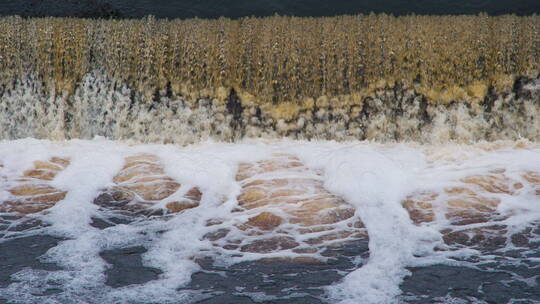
(160, 169)
(101, 106)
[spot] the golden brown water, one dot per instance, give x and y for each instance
(413, 78)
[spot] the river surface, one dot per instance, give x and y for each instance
(269, 221)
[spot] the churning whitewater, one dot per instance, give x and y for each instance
(199, 211)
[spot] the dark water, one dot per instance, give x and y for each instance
(240, 8)
(293, 282)
(20, 253)
(492, 285)
(302, 283)
(495, 275)
(507, 276)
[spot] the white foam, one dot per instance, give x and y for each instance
(374, 178)
(375, 181)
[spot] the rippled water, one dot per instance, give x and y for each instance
(238, 8)
(284, 221)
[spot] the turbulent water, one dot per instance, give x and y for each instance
(101, 106)
(355, 159)
(269, 221)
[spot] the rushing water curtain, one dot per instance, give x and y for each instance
(362, 77)
(278, 58)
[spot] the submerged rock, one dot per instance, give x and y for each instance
(468, 213)
(143, 186)
(287, 209)
(32, 192)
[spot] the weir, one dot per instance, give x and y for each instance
(349, 159)
(376, 77)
